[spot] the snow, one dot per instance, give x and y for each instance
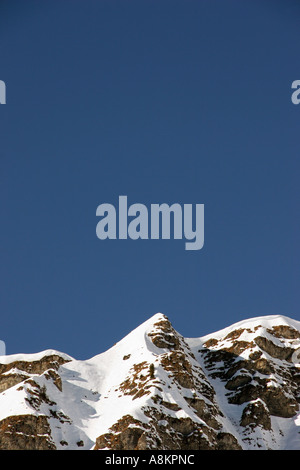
(267, 321)
(33, 357)
(92, 400)
(253, 327)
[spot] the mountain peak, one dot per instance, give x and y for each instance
(237, 388)
(265, 321)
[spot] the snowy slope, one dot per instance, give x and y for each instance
(235, 388)
(284, 432)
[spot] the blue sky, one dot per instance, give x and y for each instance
(163, 101)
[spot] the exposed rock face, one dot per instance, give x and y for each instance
(164, 335)
(30, 431)
(235, 389)
(17, 371)
(164, 431)
(25, 432)
(258, 374)
(256, 414)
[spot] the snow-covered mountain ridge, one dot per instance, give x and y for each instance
(237, 388)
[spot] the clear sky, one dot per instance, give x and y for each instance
(163, 101)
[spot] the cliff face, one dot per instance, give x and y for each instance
(235, 389)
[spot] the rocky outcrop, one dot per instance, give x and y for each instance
(164, 432)
(236, 389)
(17, 371)
(25, 432)
(256, 414)
(31, 431)
(123, 435)
(257, 374)
(163, 335)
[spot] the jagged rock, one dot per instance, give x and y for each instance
(123, 435)
(272, 349)
(226, 441)
(157, 390)
(163, 433)
(25, 432)
(52, 374)
(279, 402)
(256, 414)
(263, 366)
(35, 367)
(22, 370)
(164, 335)
(238, 381)
(179, 366)
(205, 411)
(10, 380)
(284, 331)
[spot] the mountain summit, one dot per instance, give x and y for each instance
(237, 388)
